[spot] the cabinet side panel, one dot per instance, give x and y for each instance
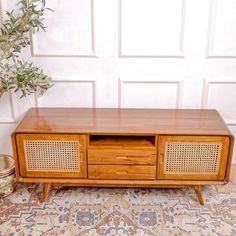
(15, 155)
(229, 163)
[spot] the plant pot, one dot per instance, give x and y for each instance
(7, 175)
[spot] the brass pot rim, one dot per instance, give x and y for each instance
(8, 171)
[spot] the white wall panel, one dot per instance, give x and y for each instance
(5, 138)
(151, 28)
(61, 40)
(150, 94)
(69, 94)
(21, 105)
(6, 109)
(222, 33)
(220, 95)
(1, 12)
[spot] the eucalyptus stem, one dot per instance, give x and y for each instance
(15, 73)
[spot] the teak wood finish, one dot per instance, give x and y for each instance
(218, 175)
(118, 172)
(123, 147)
(26, 172)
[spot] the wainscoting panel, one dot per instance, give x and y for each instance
(220, 95)
(158, 34)
(61, 40)
(222, 36)
(150, 94)
(6, 109)
(75, 94)
(5, 134)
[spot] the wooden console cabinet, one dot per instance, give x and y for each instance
(122, 147)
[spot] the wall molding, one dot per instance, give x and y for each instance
(179, 84)
(8, 122)
(205, 94)
(92, 82)
(181, 38)
(12, 119)
(211, 34)
(1, 11)
(36, 53)
(231, 122)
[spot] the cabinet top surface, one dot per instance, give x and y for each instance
(123, 121)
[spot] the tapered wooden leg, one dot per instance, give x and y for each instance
(44, 194)
(199, 194)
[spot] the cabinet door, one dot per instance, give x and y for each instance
(52, 155)
(192, 157)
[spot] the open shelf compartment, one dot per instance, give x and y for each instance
(121, 141)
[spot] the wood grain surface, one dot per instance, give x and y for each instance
(121, 172)
(123, 121)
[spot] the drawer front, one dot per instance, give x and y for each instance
(52, 155)
(122, 156)
(121, 172)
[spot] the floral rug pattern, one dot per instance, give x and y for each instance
(119, 211)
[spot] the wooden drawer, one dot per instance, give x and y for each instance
(122, 156)
(121, 172)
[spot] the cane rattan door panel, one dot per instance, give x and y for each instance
(192, 157)
(54, 155)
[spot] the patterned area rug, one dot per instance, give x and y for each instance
(118, 211)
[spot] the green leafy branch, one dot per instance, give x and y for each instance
(14, 36)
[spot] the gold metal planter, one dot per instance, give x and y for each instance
(7, 175)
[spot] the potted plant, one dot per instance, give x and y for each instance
(15, 73)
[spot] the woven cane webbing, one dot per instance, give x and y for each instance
(52, 155)
(192, 158)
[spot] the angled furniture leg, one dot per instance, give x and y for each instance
(199, 194)
(44, 194)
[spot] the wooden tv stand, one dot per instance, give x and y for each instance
(122, 147)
